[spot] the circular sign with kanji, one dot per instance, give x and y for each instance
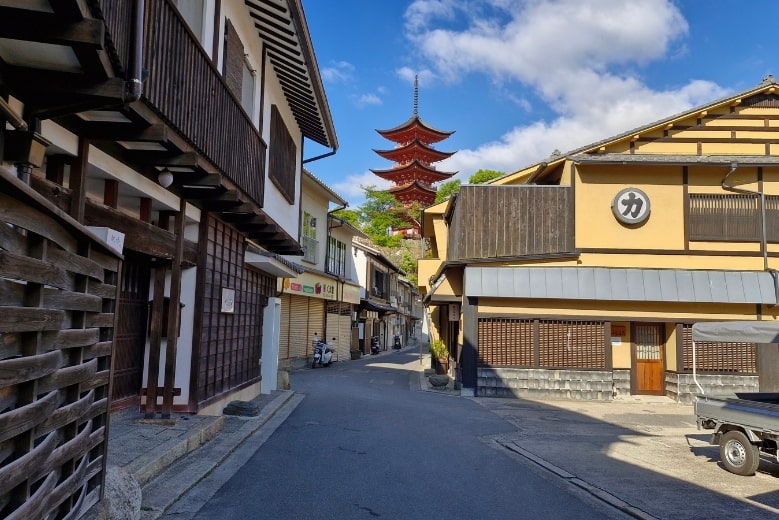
(631, 206)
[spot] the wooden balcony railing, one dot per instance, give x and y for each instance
(185, 88)
(511, 221)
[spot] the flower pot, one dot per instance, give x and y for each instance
(356, 354)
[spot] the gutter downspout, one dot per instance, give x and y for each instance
(763, 232)
(694, 373)
(133, 86)
(312, 159)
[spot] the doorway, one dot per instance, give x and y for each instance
(130, 334)
(648, 359)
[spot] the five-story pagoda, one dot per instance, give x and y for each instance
(414, 173)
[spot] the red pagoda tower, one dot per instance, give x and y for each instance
(414, 174)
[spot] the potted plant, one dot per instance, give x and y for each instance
(440, 354)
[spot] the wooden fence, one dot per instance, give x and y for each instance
(58, 288)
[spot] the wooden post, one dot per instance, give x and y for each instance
(173, 313)
(111, 193)
(78, 181)
(155, 331)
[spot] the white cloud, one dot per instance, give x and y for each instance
(351, 187)
(367, 99)
(578, 57)
(339, 72)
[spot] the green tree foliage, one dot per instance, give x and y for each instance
(349, 215)
(483, 176)
(446, 190)
(449, 188)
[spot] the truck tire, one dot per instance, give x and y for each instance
(738, 455)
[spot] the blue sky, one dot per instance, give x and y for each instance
(517, 79)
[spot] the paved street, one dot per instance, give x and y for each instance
(365, 442)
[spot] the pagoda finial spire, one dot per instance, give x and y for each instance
(416, 94)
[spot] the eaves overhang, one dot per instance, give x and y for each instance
(282, 28)
(675, 160)
(623, 284)
(273, 264)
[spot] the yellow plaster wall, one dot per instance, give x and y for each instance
(620, 353)
(733, 148)
(589, 309)
(596, 226)
(661, 261)
(441, 236)
(670, 347)
(425, 269)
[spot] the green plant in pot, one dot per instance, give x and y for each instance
(439, 353)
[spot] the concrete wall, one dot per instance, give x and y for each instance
(545, 384)
(682, 388)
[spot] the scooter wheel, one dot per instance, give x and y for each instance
(313, 365)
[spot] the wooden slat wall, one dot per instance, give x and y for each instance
(511, 221)
(186, 89)
(724, 217)
(58, 291)
(711, 357)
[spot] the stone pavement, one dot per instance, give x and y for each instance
(643, 455)
(151, 455)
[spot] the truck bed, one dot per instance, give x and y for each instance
(757, 411)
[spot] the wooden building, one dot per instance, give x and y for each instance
(582, 275)
(178, 126)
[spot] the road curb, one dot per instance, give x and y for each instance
(160, 493)
(596, 492)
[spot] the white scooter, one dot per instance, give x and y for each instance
(323, 353)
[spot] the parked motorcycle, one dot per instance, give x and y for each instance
(374, 345)
(323, 353)
(396, 342)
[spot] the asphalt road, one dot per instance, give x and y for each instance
(366, 443)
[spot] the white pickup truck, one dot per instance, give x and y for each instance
(747, 423)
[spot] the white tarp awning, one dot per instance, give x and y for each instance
(737, 331)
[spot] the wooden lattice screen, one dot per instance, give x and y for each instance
(505, 341)
(561, 344)
(738, 358)
(571, 344)
(58, 289)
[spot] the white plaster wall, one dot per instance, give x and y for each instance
(344, 235)
(316, 205)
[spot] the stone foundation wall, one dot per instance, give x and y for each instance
(621, 382)
(682, 388)
(595, 385)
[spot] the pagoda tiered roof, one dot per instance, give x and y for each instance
(414, 128)
(413, 171)
(414, 191)
(415, 149)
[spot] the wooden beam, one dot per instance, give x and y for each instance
(209, 180)
(43, 27)
(124, 132)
